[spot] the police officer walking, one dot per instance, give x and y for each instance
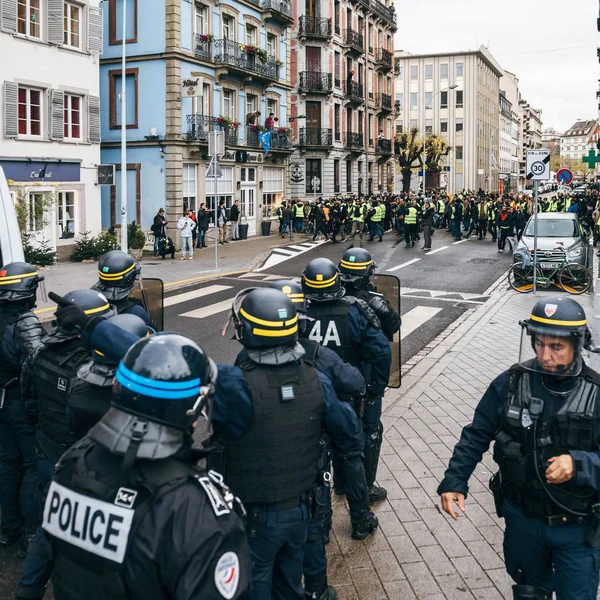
(544, 416)
(349, 327)
(20, 336)
(129, 514)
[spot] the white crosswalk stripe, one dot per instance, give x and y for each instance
(416, 317)
(211, 309)
(199, 293)
(279, 255)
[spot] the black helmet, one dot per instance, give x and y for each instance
(264, 318)
(166, 378)
(293, 291)
(117, 272)
(553, 321)
(130, 323)
(356, 263)
(18, 281)
(321, 280)
(92, 303)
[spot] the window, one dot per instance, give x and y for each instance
(272, 191)
(251, 104)
(271, 44)
(225, 189)
(459, 125)
(428, 126)
(189, 187)
(272, 107)
(428, 72)
(444, 71)
(313, 169)
(229, 104)
(444, 125)
(444, 100)
(251, 35)
(66, 214)
(459, 70)
(458, 152)
(399, 101)
(414, 72)
(337, 122)
(336, 176)
(413, 100)
(35, 207)
(29, 18)
(115, 21)
(337, 69)
(400, 72)
(201, 19)
(72, 117)
(30, 112)
(349, 175)
(72, 25)
(228, 28)
(413, 124)
(459, 98)
(399, 129)
(131, 83)
(428, 98)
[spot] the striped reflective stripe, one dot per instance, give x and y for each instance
(275, 332)
(557, 322)
(113, 276)
(355, 266)
(8, 279)
(168, 390)
(258, 321)
(92, 311)
(320, 284)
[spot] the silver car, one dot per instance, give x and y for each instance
(552, 229)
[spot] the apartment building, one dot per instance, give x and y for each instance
(194, 67)
(455, 96)
(579, 139)
(50, 143)
(509, 146)
(341, 103)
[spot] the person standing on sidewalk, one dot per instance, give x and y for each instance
(202, 219)
(504, 222)
(287, 215)
(192, 216)
(222, 222)
(159, 228)
(234, 217)
(544, 416)
(185, 226)
(299, 216)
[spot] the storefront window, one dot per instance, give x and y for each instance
(272, 192)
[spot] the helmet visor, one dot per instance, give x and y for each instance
(551, 351)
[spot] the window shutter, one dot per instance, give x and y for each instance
(94, 119)
(11, 109)
(56, 31)
(94, 30)
(9, 16)
(57, 125)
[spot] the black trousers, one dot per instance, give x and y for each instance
(481, 227)
(504, 233)
(492, 230)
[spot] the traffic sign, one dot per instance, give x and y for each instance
(214, 170)
(564, 176)
(316, 184)
(591, 159)
(537, 165)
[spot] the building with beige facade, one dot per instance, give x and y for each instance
(579, 139)
(456, 96)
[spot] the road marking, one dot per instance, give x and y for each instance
(211, 289)
(437, 250)
(279, 255)
(414, 318)
(410, 262)
(443, 300)
(207, 311)
(284, 251)
(461, 242)
(213, 275)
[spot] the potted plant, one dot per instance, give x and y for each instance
(207, 37)
(137, 240)
(255, 51)
(224, 121)
(287, 131)
(257, 128)
(279, 63)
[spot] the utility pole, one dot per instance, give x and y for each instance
(124, 132)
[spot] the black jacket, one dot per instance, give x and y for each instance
(234, 213)
(428, 217)
(158, 225)
(203, 217)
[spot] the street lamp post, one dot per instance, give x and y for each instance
(124, 133)
(428, 105)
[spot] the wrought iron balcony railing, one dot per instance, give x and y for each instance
(354, 91)
(315, 82)
(314, 136)
(203, 47)
(199, 127)
(279, 140)
(239, 56)
(354, 141)
(354, 40)
(314, 27)
(385, 59)
(280, 10)
(384, 146)
(384, 101)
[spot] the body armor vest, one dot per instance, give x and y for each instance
(277, 460)
(54, 369)
(388, 317)
(8, 372)
(88, 404)
(571, 427)
(124, 305)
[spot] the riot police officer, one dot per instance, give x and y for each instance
(544, 416)
(117, 273)
(356, 268)
(91, 392)
(160, 527)
(20, 336)
(349, 327)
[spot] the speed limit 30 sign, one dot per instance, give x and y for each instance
(538, 165)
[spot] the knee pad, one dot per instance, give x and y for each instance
(530, 592)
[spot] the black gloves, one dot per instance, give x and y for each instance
(69, 316)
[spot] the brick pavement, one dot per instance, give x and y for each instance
(419, 552)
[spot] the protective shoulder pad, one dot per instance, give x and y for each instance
(590, 374)
(311, 348)
(368, 313)
(30, 331)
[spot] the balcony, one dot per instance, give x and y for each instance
(314, 82)
(384, 102)
(315, 27)
(199, 127)
(315, 137)
(354, 141)
(278, 10)
(354, 92)
(382, 11)
(237, 58)
(203, 47)
(280, 142)
(354, 41)
(384, 147)
(384, 59)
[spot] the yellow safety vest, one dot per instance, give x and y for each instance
(411, 217)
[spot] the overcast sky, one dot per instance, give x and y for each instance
(552, 52)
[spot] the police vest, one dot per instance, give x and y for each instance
(91, 523)
(277, 460)
(572, 427)
(411, 216)
(8, 372)
(358, 213)
(88, 404)
(54, 368)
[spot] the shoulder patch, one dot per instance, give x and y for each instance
(220, 506)
(227, 575)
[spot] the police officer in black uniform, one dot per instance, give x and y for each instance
(129, 514)
(47, 384)
(349, 327)
(21, 335)
(544, 416)
(117, 273)
(356, 268)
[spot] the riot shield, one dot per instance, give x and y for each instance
(151, 294)
(389, 286)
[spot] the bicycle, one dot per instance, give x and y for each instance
(572, 277)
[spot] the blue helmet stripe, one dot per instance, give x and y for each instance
(154, 392)
(155, 383)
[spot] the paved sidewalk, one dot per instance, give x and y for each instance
(419, 552)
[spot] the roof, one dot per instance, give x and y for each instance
(580, 128)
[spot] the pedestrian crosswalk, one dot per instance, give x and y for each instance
(279, 255)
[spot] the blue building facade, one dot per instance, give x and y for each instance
(194, 67)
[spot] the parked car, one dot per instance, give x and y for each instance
(552, 229)
(580, 189)
(11, 248)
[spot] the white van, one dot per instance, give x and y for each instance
(11, 247)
